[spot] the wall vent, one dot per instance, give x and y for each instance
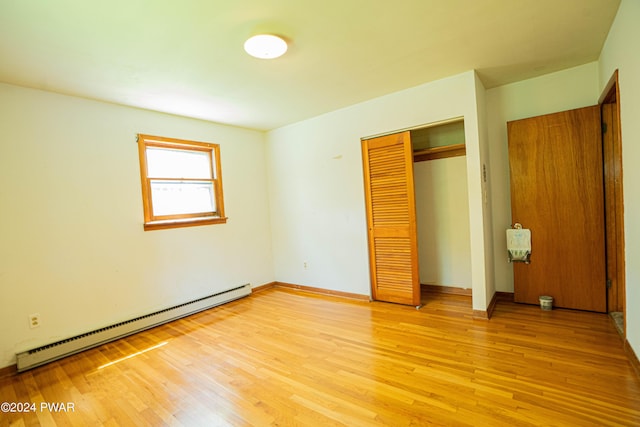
(57, 350)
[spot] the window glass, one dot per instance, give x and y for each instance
(176, 198)
(172, 163)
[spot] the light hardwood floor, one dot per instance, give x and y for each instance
(283, 357)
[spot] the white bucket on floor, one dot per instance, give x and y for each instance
(546, 303)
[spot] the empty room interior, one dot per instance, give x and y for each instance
(401, 213)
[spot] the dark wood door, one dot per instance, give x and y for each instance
(557, 192)
(391, 218)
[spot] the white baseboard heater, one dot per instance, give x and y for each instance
(59, 349)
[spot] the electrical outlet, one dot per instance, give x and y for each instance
(305, 264)
(34, 320)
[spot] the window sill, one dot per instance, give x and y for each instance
(179, 223)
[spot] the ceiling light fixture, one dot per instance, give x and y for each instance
(265, 46)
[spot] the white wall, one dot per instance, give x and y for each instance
(72, 244)
(442, 209)
(481, 199)
(564, 90)
(621, 52)
(316, 188)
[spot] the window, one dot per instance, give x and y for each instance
(181, 182)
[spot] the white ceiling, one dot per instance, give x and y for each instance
(185, 56)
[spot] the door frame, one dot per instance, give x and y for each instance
(614, 217)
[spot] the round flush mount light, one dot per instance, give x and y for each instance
(265, 46)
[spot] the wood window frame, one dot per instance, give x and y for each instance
(153, 222)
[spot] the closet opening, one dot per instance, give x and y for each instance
(417, 206)
(442, 208)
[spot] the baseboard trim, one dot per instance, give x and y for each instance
(263, 287)
(8, 371)
(498, 296)
(480, 314)
(633, 358)
(322, 291)
(437, 289)
(492, 305)
(504, 296)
